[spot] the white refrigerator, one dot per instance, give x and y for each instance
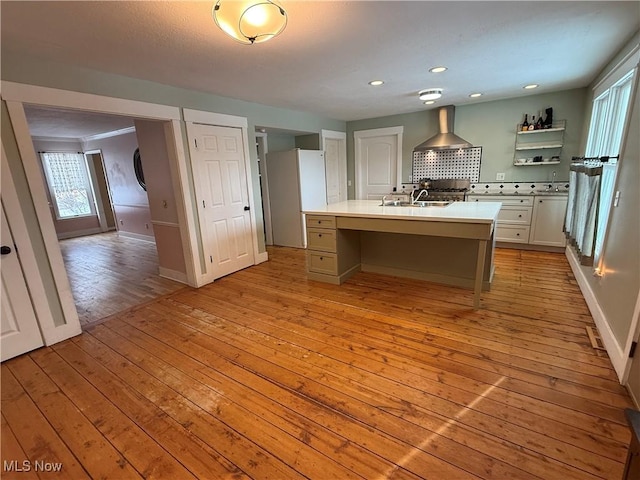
(297, 182)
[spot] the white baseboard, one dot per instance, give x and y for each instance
(261, 257)
(137, 236)
(614, 350)
(79, 233)
(173, 275)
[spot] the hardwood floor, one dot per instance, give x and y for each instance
(111, 273)
(264, 374)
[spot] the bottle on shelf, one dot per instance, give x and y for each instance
(548, 121)
(525, 124)
(539, 123)
(532, 125)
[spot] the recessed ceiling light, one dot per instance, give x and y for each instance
(474, 95)
(430, 94)
(429, 102)
(529, 87)
(376, 83)
(438, 69)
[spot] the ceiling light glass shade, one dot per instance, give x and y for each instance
(438, 69)
(376, 83)
(529, 87)
(429, 102)
(474, 95)
(250, 22)
(431, 94)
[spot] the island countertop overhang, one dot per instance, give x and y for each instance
(456, 212)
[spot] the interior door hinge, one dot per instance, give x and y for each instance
(195, 142)
(203, 205)
(632, 350)
(211, 258)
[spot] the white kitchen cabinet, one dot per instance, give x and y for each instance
(514, 219)
(548, 220)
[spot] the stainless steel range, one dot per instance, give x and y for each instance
(445, 189)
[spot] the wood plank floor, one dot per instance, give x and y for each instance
(266, 375)
(110, 273)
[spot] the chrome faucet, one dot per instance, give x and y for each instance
(415, 200)
(553, 181)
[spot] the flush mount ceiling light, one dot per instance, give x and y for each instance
(529, 87)
(376, 83)
(430, 94)
(474, 95)
(429, 102)
(250, 22)
(438, 69)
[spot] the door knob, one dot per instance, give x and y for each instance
(5, 250)
(246, 209)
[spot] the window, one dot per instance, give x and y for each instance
(69, 185)
(608, 121)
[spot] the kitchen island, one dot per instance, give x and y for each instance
(452, 245)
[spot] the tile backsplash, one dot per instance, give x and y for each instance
(514, 187)
(449, 163)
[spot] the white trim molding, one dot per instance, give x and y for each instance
(173, 275)
(614, 349)
(54, 97)
(115, 133)
(51, 332)
(211, 118)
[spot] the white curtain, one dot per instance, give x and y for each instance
(582, 212)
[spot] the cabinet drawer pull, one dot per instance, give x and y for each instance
(319, 235)
(520, 216)
(517, 234)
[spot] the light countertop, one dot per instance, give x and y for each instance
(461, 212)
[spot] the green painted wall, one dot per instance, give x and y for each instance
(491, 125)
(280, 143)
(308, 142)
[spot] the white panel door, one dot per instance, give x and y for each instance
(20, 332)
(223, 200)
(377, 166)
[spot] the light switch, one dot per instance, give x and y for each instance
(348, 183)
(616, 199)
(500, 176)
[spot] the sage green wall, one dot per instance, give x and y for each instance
(280, 142)
(308, 142)
(491, 125)
(34, 71)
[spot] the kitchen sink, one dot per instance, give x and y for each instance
(426, 203)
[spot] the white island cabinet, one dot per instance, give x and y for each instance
(548, 221)
(452, 245)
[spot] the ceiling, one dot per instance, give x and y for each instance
(323, 60)
(60, 123)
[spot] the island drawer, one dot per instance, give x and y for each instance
(321, 221)
(321, 239)
(319, 262)
(515, 215)
(512, 233)
(507, 200)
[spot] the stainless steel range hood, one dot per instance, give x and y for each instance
(445, 138)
